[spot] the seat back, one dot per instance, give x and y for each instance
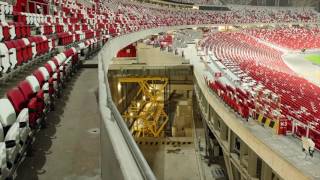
(4, 56)
(53, 65)
(26, 89)
(34, 83)
(12, 53)
(17, 99)
(49, 68)
(3, 157)
(44, 73)
(28, 48)
(7, 113)
(12, 140)
(41, 79)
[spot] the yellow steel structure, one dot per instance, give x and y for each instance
(145, 115)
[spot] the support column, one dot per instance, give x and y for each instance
(224, 131)
(243, 154)
(252, 164)
(215, 120)
(266, 172)
(228, 165)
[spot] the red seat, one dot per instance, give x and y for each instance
(5, 31)
(40, 77)
(36, 107)
(49, 68)
(19, 50)
(26, 89)
(13, 56)
(28, 49)
(17, 99)
(18, 29)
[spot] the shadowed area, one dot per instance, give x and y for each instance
(69, 148)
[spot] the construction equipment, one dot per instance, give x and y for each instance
(145, 115)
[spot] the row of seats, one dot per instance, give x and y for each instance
(24, 109)
(17, 52)
(260, 68)
(199, 2)
(296, 38)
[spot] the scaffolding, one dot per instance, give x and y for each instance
(145, 115)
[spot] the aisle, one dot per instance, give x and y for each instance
(69, 148)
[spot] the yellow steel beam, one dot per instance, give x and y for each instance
(150, 113)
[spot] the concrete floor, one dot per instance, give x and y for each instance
(69, 148)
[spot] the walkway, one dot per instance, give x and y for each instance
(69, 149)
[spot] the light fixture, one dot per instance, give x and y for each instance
(119, 86)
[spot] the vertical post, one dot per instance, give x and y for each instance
(252, 163)
(266, 172)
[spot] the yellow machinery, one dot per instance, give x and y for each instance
(145, 115)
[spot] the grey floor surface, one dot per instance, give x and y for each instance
(69, 148)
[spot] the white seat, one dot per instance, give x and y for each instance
(50, 43)
(34, 49)
(1, 31)
(4, 58)
(45, 86)
(23, 119)
(3, 161)
(45, 73)
(26, 41)
(13, 146)
(34, 83)
(13, 57)
(55, 74)
(12, 31)
(53, 66)
(7, 114)
(61, 58)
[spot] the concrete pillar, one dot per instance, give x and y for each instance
(208, 110)
(224, 131)
(252, 164)
(228, 165)
(243, 154)
(232, 141)
(266, 172)
(215, 119)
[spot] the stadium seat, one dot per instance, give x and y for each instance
(3, 160)
(27, 53)
(13, 146)
(43, 76)
(24, 131)
(11, 131)
(26, 89)
(4, 58)
(17, 99)
(12, 54)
